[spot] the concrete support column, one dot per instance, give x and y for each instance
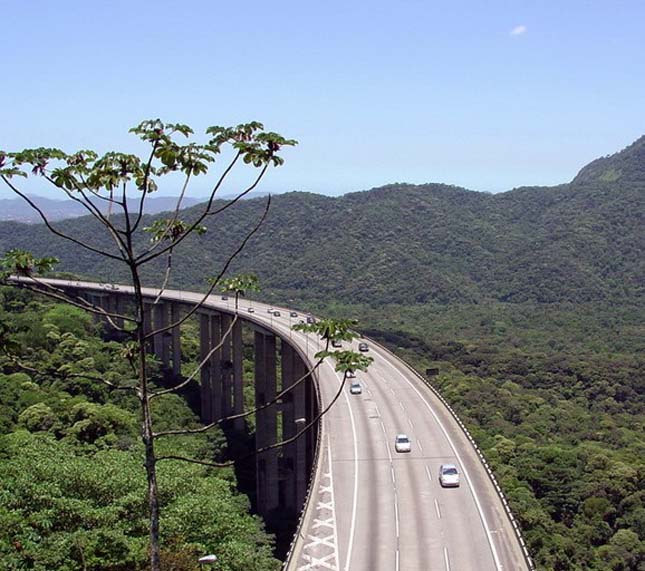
(216, 366)
(161, 341)
(116, 306)
(302, 469)
(227, 365)
(175, 339)
(238, 375)
(147, 323)
(205, 371)
(265, 431)
(289, 428)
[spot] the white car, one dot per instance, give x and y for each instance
(402, 443)
(251, 310)
(448, 476)
(355, 388)
(270, 310)
(351, 375)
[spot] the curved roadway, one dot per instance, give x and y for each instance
(371, 508)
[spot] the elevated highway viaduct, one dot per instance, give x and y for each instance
(364, 507)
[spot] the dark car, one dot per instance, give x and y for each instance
(363, 347)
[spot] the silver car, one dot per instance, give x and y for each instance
(402, 443)
(448, 476)
(355, 388)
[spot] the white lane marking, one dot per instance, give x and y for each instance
(428, 473)
(392, 391)
(352, 528)
(402, 407)
(410, 423)
(436, 507)
(396, 514)
(331, 486)
(489, 537)
(377, 409)
(393, 476)
(321, 548)
(396, 561)
(389, 452)
(446, 559)
(419, 445)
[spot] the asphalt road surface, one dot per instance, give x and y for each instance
(372, 508)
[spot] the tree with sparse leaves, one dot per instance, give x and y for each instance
(102, 185)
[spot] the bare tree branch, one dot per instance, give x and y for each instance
(96, 213)
(144, 189)
(200, 365)
(215, 281)
(246, 413)
(51, 228)
(264, 448)
(61, 295)
(13, 359)
(200, 219)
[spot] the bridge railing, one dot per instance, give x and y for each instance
(500, 493)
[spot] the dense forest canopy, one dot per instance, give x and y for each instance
(72, 484)
(529, 304)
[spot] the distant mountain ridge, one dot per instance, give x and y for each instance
(18, 210)
(577, 242)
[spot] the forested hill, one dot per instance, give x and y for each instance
(402, 243)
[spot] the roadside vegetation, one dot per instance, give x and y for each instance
(72, 481)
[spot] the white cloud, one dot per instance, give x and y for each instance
(518, 30)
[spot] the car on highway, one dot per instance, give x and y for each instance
(310, 319)
(355, 388)
(448, 476)
(351, 375)
(402, 443)
(363, 347)
(251, 310)
(293, 314)
(224, 298)
(336, 343)
(276, 314)
(270, 310)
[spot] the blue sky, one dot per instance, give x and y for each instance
(487, 95)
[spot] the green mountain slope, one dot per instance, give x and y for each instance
(402, 243)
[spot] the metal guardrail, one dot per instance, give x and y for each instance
(507, 508)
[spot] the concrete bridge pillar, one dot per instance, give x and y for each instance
(175, 339)
(148, 324)
(216, 366)
(294, 482)
(266, 422)
(205, 371)
(238, 375)
(161, 341)
(227, 364)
